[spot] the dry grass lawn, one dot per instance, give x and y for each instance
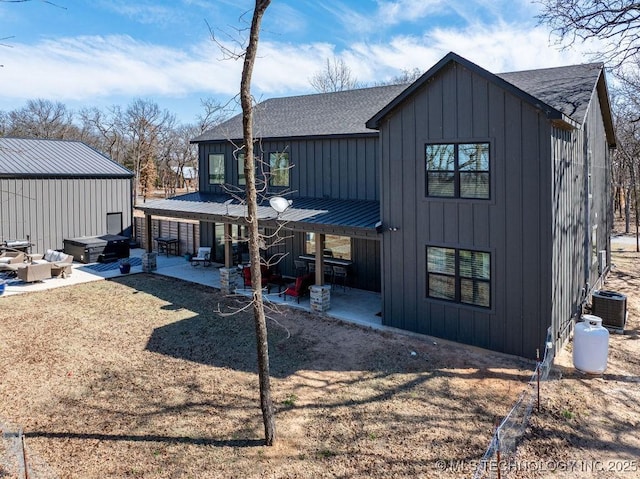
(589, 426)
(140, 377)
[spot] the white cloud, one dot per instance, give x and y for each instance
(91, 69)
(84, 67)
(398, 11)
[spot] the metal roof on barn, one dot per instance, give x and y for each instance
(324, 213)
(321, 114)
(40, 158)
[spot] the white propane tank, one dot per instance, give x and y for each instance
(590, 345)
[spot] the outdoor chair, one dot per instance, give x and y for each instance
(266, 276)
(30, 273)
(61, 263)
(203, 257)
(301, 267)
(328, 274)
(300, 288)
(10, 261)
(12, 257)
(340, 276)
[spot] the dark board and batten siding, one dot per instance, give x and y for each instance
(365, 255)
(337, 168)
(459, 105)
(573, 272)
(50, 210)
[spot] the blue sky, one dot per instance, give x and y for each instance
(109, 52)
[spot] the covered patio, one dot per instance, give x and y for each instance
(307, 236)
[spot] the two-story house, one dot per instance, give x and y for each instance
(477, 204)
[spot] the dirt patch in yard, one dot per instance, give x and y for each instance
(589, 426)
(140, 377)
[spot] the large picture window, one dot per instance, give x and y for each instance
(459, 275)
(458, 170)
(334, 246)
(279, 166)
(216, 169)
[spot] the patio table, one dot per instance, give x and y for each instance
(167, 245)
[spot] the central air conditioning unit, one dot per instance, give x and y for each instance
(611, 307)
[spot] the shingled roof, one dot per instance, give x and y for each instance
(321, 114)
(562, 91)
(568, 89)
(38, 158)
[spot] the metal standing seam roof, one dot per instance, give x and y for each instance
(353, 214)
(39, 158)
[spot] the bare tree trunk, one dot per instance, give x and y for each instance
(627, 211)
(246, 100)
(635, 195)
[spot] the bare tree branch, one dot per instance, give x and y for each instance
(336, 76)
(615, 22)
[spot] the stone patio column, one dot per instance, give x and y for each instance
(149, 262)
(228, 279)
(320, 298)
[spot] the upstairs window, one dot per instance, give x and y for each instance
(241, 178)
(279, 169)
(458, 275)
(458, 170)
(216, 169)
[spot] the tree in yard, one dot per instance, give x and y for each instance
(405, 76)
(336, 76)
(615, 22)
(246, 100)
(146, 128)
(42, 118)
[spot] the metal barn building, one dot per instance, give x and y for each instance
(51, 190)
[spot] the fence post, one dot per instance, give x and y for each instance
(538, 370)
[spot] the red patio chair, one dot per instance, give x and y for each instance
(299, 289)
(246, 275)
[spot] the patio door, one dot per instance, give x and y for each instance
(239, 243)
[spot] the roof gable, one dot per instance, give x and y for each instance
(562, 93)
(321, 114)
(39, 158)
(550, 111)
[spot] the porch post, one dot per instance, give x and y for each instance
(319, 259)
(148, 258)
(228, 251)
(320, 293)
(148, 233)
(228, 274)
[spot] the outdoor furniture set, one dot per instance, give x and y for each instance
(268, 278)
(36, 267)
(203, 257)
